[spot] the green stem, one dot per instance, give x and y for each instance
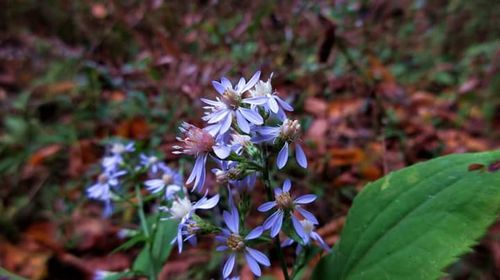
(145, 229)
(277, 242)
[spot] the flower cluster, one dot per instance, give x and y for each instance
(246, 127)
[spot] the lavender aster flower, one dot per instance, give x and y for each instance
(199, 142)
(182, 209)
(309, 235)
(288, 134)
(263, 94)
(285, 205)
(102, 189)
(170, 182)
(150, 162)
(230, 173)
(222, 110)
(233, 241)
(115, 158)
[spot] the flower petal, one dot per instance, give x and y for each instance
(252, 116)
(256, 232)
(305, 199)
(229, 266)
(282, 156)
(258, 100)
(251, 82)
(300, 156)
(218, 87)
(226, 83)
(208, 203)
(242, 122)
(225, 124)
(287, 185)
(267, 206)
(276, 227)
(258, 256)
(273, 105)
(284, 104)
(308, 215)
(299, 229)
(252, 263)
(221, 151)
(268, 223)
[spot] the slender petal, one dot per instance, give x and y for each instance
(252, 263)
(287, 185)
(308, 215)
(268, 223)
(276, 227)
(208, 203)
(273, 105)
(218, 87)
(240, 85)
(267, 206)
(229, 265)
(226, 83)
(255, 233)
(217, 116)
(221, 151)
(252, 81)
(305, 199)
(221, 248)
(282, 156)
(226, 124)
(258, 100)
(242, 122)
(320, 240)
(284, 104)
(258, 256)
(252, 116)
(299, 229)
(300, 156)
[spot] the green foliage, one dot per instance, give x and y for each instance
(161, 247)
(413, 223)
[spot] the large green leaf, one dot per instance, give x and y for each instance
(413, 223)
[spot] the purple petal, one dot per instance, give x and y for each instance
(305, 199)
(229, 266)
(242, 122)
(300, 156)
(308, 215)
(240, 85)
(154, 185)
(226, 124)
(299, 229)
(267, 206)
(252, 116)
(252, 263)
(179, 237)
(320, 240)
(258, 100)
(287, 185)
(284, 104)
(226, 83)
(256, 232)
(217, 116)
(268, 223)
(210, 102)
(218, 87)
(221, 248)
(252, 81)
(282, 156)
(287, 242)
(276, 227)
(258, 256)
(208, 203)
(277, 191)
(222, 152)
(273, 105)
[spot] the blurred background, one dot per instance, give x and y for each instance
(377, 85)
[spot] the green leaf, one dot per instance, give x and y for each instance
(160, 250)
(413, 223)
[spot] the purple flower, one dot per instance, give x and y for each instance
(230, 105)
(287, 134)
(263, 94)
(285, 205)
(309, 234)
(101, 190)
(235, 243)
(199, 142)
(182, 209)
(150, 162)
(115, 157)
(170, 182)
